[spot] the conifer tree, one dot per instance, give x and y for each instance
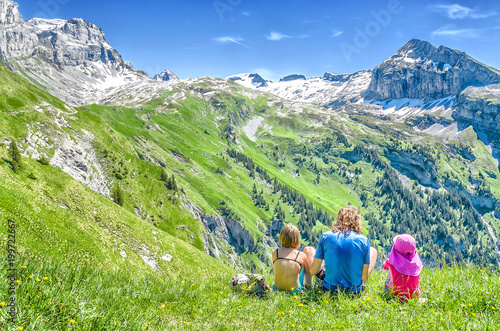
(117, 195)
(163, 175)
(15, 155)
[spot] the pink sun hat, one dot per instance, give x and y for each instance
(404, 256)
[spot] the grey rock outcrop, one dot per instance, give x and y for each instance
(165, 76)
(255, 79)
(9, 13)
(418, 70)
(480, 108)
(226, 239)
(339, 78)
(292, 77)
(413, 166)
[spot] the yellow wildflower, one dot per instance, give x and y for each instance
(289, 311)
(182, 282)
(300, 305)
(295, 297)
(31, 276)
(2, 304)
(293, 325)
(473, 314)
(37, 279)
(493, 308)
(367, 298)
(18, 281)
(470, 304)
(162, 306)
(491, 265)
(313, 311)
(23, 267)
(293, 288)
(20, 328)
(185, 322)
(239, 306)
(482, 270)
(45, 278)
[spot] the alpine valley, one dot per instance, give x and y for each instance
(126, 172)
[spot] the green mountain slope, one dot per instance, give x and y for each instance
(246, 162)
(57, 216)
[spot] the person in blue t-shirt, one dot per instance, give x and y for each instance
(347, 254)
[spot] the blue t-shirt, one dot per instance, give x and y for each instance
(344, 255)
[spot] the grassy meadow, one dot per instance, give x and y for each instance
(67, 296)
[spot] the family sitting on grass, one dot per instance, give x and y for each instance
(344, 260)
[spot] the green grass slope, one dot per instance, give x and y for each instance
(52, 296)
(60, 218)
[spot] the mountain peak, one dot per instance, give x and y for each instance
(419, 70)
(9, 13)
(416, 48)
(249, 80)
(166, 75)
(292, 77)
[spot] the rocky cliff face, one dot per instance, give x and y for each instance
(249, 80)
(9, 13)
(71, 59)
(421, 71)
(226, 239)
(165, 76)
(292, 77)
(340, 78)
(480, 107)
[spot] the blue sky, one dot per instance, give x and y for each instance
(277, 38)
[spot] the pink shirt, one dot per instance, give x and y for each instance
(401, 285)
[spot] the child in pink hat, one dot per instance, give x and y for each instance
(404, 267)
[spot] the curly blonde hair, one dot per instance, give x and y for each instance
(348, 218)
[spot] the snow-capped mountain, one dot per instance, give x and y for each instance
(249, 80)
(418, 79)
(165, 76)
(70, 58)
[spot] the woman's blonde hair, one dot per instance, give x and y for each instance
(290, 236)
(348, 218)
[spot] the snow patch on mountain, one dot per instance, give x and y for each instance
(249, 80)
(252, 127)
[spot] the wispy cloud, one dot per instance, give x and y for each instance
(277, 36)
(246, 13)
(456, 11)
(336, 33)
(302, 36)
(228, 39)
(452, 31)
